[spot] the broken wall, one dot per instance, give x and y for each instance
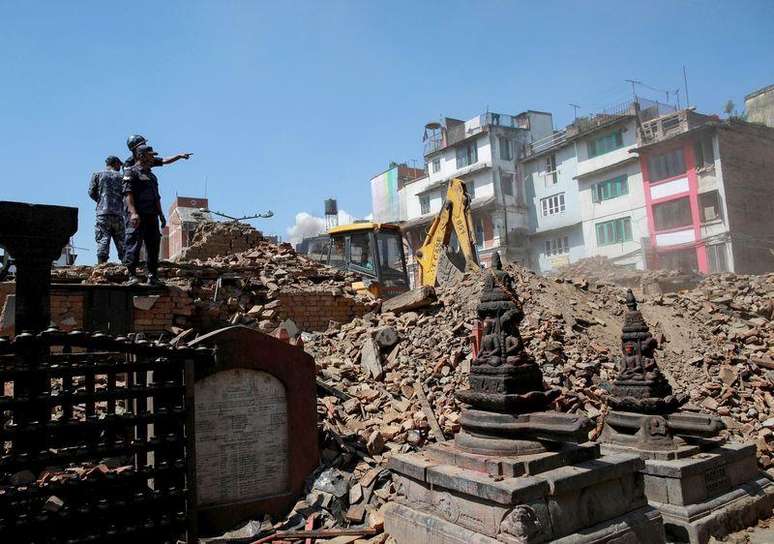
(747, 161)
(220, 239)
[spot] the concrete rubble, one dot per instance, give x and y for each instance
(387, 378)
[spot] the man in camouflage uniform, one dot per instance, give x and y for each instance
(135, 141)
(106, 190)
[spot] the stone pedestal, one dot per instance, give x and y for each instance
(516, 473)
(701, 486)
(712, 492)
(567, 494)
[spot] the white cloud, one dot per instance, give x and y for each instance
(310, 225)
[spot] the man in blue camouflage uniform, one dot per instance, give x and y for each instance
(135, 140)
(105, 188)
(143, 203)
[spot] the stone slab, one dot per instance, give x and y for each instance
(509, 467)
(409, 526)
(737, 509)
(241, 436)
(588, 472)
(242, 348)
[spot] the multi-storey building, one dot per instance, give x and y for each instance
(584, 190)
(708, 193)
(760, 106)
(483, 152)
(388, 200)
(184, 215)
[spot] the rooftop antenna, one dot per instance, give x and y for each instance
(575, 108)
(677, 95)
(634, 89)
(685, 82)
(205, 187)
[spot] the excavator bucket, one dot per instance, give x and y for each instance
(451, 266)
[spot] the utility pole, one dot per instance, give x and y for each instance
(575, 108)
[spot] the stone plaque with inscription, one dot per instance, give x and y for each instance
(256, 427)
(241, 436)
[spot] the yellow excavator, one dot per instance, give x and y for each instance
(437, 263)
(374, 251)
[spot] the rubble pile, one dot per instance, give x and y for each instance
(728, 345)
(213, 239)
(391, 377)
(601, 269)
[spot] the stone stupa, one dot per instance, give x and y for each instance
(702, 486)
(517, 473)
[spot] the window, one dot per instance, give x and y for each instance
(390, 257)
(557, 246)
(684, 260)
(614, 232)
(467, 154)
(424, 204)
(551, 172)
(672, 214)
(552, 205)
(506, 152)
(336, 257)
(611, 188)
(716, 255)
(709, 206)
(360, 251)
(506, 184)
(666, 165)
(703, 151)
(471, 187)
(605, 144)
(436, 165)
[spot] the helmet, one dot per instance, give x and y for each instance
(134, 140)
(113, 160)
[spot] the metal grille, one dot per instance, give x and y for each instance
(97, 436)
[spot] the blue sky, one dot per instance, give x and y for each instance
(285, 104)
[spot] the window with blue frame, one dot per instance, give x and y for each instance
(610, 188)
(605, 144)
(614, 232)
(467, 154)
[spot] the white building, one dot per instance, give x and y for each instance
(585, 190)
(483, 152)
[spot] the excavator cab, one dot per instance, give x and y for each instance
(374, 251)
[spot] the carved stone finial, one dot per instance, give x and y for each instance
(497, 264)
(640, 386)
(631, 302)
(503, 373)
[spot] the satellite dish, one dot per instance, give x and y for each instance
(433, 125)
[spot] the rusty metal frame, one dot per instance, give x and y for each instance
(55, 415)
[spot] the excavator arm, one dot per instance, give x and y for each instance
(454, 215)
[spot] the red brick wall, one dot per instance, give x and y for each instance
(312, 311)
(172, 307)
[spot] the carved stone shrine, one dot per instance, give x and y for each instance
(702, 486)
(517, 473)
(256, 427)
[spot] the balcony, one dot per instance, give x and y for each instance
(670, 125)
